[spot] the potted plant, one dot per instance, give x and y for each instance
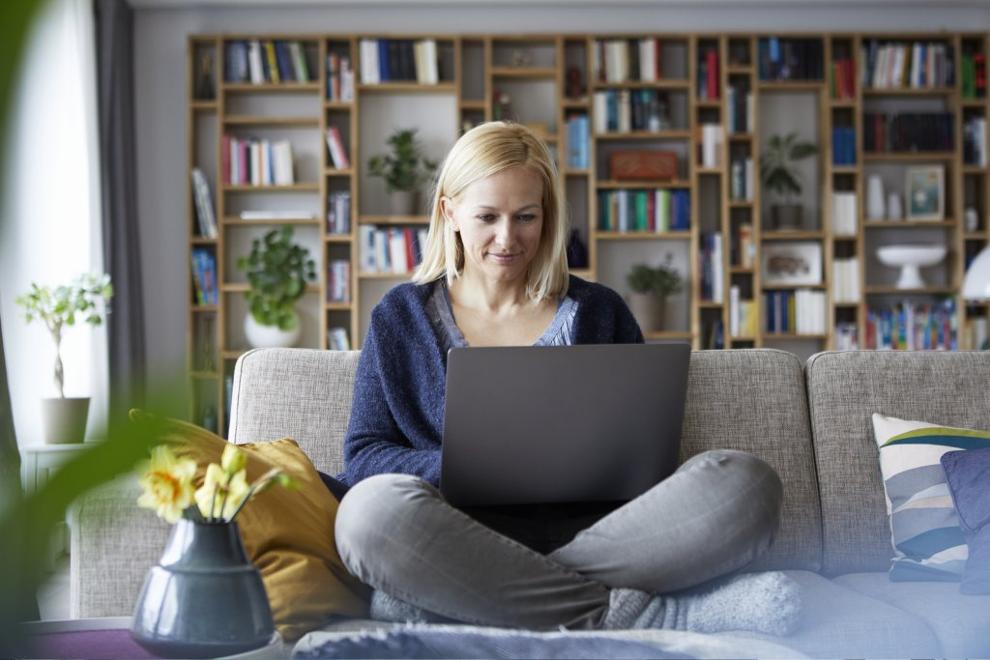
(277, 270)
(204, 598)
(405, 169)
(650, 288)
(65, 417)
(778, 169)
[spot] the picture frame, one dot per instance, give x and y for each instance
(924, 193)
(792, 263)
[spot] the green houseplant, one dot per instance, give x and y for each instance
(58, 308)
(404, 170)
(781, 178)
(277, 270)
(650, 288)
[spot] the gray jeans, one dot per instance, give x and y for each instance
(715, 515)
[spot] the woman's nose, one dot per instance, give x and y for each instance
(503, 231)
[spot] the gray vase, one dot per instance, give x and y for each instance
(648, 310)
(204, 598)
(786, 216)
(403, 202)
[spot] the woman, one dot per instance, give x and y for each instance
(494, 273)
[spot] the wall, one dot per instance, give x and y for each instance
(160, 42)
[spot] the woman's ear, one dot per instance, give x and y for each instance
(447, 210)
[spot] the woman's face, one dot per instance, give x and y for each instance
(500, 221)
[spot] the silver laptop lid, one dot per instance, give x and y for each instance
(538, 424)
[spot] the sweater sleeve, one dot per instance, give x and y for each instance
(374, 443)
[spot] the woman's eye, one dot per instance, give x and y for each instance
(488, 217)
(527, 217)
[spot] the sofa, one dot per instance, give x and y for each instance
(810, 421)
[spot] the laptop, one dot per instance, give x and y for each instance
(561, 424)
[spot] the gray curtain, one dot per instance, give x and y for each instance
(121, 249)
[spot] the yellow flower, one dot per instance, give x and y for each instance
(167, 482)
(221, 494)
(233, 459)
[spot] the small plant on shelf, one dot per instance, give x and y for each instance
(277, 270)
(404, 170)
(781, 178)
(650, 288)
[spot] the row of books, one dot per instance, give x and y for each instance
(845, 280)
(206, 220)
(908, 132)
(204, 272)
(845, 213)
(913, 65)
(843, 145)
(790, 59)
(390, 250)
(843, 85)
(653, 211)
(846, 336)
(339, 213)
(577, 141)
(386, 60)
(801, 311)
(710, 145)
(711, 267)
(338, 153)
(742, 314)
(742, 252)
(622, 60)
(975, 141)
(625, 110)
(913, 326)
(260, 62)
(249, 161)
(740, 115)
(339, 281)
(973, 74)
(340, 77)
(338, 339)
(713, 335)
(741, 179)
(708, 78)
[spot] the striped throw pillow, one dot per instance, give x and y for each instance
(928, 541)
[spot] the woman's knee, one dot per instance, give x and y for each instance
(751, 481)
(373, 506)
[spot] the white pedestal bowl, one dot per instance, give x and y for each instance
(910, 259)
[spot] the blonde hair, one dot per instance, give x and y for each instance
(481, 152)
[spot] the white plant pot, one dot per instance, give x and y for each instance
(271, 336)
(65, 420)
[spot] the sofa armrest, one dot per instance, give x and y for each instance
(113, 544)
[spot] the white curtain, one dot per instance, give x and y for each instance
(51, 212)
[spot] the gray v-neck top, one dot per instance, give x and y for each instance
(560, 332)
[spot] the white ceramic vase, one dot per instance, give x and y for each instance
(271, 336)
(874, 199)
(895, 210)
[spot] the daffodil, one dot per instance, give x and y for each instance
(233, 459)
(167, 482)
(221, 494)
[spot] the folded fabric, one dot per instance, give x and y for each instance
(288, 534)
(968, 476)
(928, 541)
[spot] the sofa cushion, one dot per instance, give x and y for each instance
(927, 539)
(838, 622)
(844, 390)
(968, 476)
(959, 621)
(754, 400)
(303, 394)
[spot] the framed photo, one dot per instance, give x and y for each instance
(924, 192)
(792, 263)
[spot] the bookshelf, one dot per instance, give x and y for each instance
(668, 88)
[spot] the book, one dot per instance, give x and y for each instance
(337, 339)
(338, 154)
(205, 216)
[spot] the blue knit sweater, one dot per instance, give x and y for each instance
(396, 423)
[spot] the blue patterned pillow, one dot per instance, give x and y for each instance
(968, 476)
(925, 532)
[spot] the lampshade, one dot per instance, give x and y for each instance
(976, 285)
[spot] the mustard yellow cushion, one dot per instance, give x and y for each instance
(288, 534)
